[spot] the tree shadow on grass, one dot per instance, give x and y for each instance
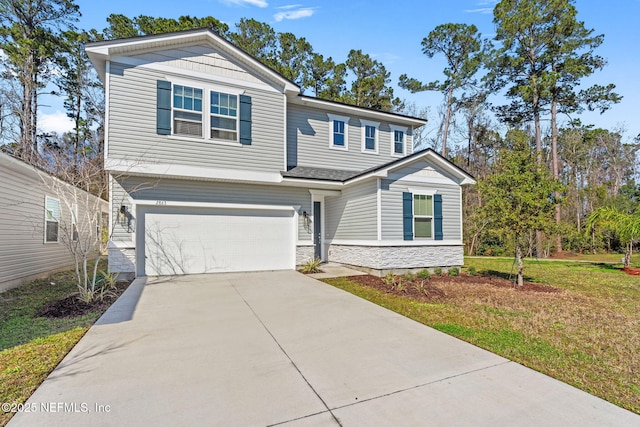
(508, 276)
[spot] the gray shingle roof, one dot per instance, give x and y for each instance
(324, 174)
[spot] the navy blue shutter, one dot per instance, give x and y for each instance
(407, 215)
(163, 115)
(245, 120)
(437, 216)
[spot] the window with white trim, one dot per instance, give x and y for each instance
(51, 219)
(224, 116)
(187, 111)
(423, 216)
(369, 136)
(74, 223)
(339, 132)
(398, 142)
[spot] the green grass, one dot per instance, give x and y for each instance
(30, 346)
(587, 336)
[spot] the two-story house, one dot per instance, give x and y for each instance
(220, 164)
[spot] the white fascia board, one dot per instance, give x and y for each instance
(421, 242)
(327, 193)
(358, 112)
(315, 183)
(181, 171)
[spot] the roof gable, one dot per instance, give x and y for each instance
(202, 49)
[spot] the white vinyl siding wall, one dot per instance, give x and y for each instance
(133, 137)
(219, 192)
(308, 140)
(23, 252)
(353, 215)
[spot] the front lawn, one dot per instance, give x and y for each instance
(587, 335)
(32, 345)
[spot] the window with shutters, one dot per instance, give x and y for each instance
(51, 219)
(187, 111)
(422, 216)
(224, 113)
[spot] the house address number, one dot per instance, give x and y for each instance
(161, 203)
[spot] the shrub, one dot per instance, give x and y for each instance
(400, 285)
(424, 274)
(312, 266)
(409, 277)
(437, 271)
(453, 272)
(389, 279)
(472, 271)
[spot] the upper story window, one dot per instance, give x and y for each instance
(224, 113)
(398, 143)
(52, 219)
(423, 216)
(369, 136)
(203, 110)
(187, 111)
(338, 131)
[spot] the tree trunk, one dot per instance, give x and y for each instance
(447, 119)
(519, 264)
(555, 168)
(627, 255)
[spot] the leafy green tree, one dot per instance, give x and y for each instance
(29, 37)
(463, 48)
(121, 26)
(370, 86)
(325, 78)
(257, 39)
(292, 57)
(519, 195)
(625, 224)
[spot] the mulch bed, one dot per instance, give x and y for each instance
(634, 271)
(71, 306)
(427, 289)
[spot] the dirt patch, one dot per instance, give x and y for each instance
(563, 255)
(71, 306)
(431, 289)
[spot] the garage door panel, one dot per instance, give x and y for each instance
(206, 241)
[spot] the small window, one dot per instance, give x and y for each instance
(422, 216)
(370, 138)
(338, 133)
(398, 142)
(74, 223)
(52, 220)
(187, 111)
(224, 113)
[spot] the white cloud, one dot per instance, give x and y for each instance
(482, 10)
(55, 122)
(294, 14)
(259, 3)
(289, 6)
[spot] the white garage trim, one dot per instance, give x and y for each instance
(156, 208)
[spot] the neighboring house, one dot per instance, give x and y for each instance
(220, 164)
(39, 215)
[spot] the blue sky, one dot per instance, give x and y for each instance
(391, 31)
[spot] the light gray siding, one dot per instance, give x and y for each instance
(353, 215)
(23, 253)
(220, 192)
(308, 142)
(133, 137)
(199, 58)
(392, 208)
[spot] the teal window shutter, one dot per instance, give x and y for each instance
(163, 116)
(407, 215)
(245, 120)
(437, 217)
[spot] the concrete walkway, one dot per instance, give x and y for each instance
(279, 348)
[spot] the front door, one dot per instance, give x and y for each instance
(317, 230)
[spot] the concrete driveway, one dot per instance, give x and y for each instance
(279, 348)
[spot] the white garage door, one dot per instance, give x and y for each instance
(198, 240)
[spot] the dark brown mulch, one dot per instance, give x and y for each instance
(71, 306)
(427, 289)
